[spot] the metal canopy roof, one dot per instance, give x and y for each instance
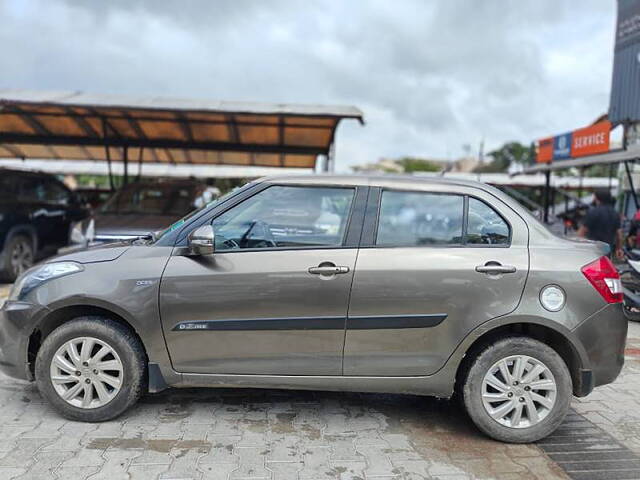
(617, 156)
(77, 126)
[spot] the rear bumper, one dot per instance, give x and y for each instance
(603, 336)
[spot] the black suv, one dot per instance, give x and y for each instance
(36, 212)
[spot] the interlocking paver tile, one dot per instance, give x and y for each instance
(116, 465)
(252, 463)
(229, 434)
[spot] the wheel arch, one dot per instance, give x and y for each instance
(560, 341)
(55, 318)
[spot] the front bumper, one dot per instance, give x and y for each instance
(603, 336)
(16, 325)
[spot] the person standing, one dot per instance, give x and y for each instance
(602, 223)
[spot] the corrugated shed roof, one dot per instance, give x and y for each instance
(79, 126)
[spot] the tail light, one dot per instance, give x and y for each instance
(605, 279)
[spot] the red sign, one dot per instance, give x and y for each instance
(545, 150)
(591, 140)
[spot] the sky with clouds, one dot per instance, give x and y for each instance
(430, 76)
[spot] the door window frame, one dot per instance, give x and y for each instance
(372, 220)
(353, 226)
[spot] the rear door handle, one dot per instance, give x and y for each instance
(495, 268)
(324, 269)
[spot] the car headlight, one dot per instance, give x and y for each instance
(36, 276)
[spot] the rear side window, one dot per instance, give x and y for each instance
(485, 226)
(416, 218)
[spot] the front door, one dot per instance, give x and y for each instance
(436, 265)
(273, 297)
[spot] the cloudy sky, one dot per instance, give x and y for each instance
(430, 76)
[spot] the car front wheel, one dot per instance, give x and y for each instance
(91, 369)
(517, 390)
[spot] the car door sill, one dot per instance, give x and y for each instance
(432, 385)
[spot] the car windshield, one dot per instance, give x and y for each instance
(161, 199)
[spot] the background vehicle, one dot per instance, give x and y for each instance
(338, 283)
(143, 207)
(93, 197)
(36, 212)
(630, 274)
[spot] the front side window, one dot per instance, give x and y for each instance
(286, 217)
(485, 226)
(416, 219)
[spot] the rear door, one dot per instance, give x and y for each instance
(433, 265)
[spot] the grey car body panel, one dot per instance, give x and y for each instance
(128, 281)
(254, 285)
(431, 279)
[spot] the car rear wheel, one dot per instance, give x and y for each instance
(91, 369)
(517, 390)
(18, 257)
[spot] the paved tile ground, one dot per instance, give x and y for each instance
(258, 434)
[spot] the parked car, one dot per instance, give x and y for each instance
(380, 284)
(36, 211)
(142, 207)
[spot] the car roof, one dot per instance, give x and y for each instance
(374, 180)
(32, 173)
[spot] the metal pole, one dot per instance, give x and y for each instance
(631, 187)
(139, 164)
(566, 209)
(108, 153)
(125, 159)
(610, 175)
(547, 186)
(106, 147)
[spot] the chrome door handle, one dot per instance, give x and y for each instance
(495, 269)
(328, 270)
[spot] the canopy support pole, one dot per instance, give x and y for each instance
(125, 159)
(633, 190)
(547, 198)
(139, 164)
(106, 149)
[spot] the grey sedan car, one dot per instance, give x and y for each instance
(381, 284)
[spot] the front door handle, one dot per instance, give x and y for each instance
(328, 269)
(495, 268)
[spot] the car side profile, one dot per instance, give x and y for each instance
(349, 283)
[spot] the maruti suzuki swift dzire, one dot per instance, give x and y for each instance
(368, 284)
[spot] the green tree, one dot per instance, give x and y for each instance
(502, 158)
(412, 164)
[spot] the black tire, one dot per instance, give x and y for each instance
(23, 245)
(472, 389)
(120, 339)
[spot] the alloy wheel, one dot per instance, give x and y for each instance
(86, 372)
(519, 391)
(21, 257)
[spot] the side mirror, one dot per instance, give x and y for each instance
(201, 241)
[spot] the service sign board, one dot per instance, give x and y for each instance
(579, 143)
(562, 146)
(545, 150)
(591, 140)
